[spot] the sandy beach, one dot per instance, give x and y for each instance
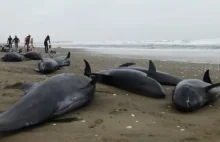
(107, 118)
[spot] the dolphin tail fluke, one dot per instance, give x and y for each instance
(212, 86)
(206, 77)
(126, 64)
(87, 70)
(68, 55)
(37, 70)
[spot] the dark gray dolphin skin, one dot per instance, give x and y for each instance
(63, 60)
(12, 57)
(47, 65)
(162, 77)
(47, 100)
(192, 94)
(130, 80)
(5, 49)
(32, 55)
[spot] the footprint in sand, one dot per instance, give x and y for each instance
(96, 123)
(117, 111)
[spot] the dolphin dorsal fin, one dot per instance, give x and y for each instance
(126, 64)
(87, 69)
(68, 55)
(212, 86)
(152, 68)
(206, 77)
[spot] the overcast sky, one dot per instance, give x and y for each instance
(110, 20)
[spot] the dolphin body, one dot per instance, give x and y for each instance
(130, 80)
(162, 77)
(192, 94)
(32, 55)
(49, 65)
(47, 100)
(63, 60)
(12, 57)
(5, 49)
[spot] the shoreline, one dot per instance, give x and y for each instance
(176, 55)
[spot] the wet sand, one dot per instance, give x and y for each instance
(107, 117)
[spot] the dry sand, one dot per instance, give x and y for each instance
(107, 117)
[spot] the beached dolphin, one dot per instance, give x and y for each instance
(12, 57)
(130, 80)
(192, 94)
(63, 60)
(32, 55)
(162, 77)
(5, 49)
(47, 65)
(47, 100)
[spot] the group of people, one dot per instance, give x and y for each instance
(15, 41)
(28, 40)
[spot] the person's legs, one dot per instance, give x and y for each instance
(10, 46)
(16, 46)
(46, 48)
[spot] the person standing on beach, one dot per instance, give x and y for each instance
(46, 43)
(9, 42)
(32, 43)
(16, 41)
(27, 41)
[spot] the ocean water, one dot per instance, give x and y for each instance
(203, 50)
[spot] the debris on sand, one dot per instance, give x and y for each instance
(129, 127)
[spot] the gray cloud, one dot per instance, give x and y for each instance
(110, 20)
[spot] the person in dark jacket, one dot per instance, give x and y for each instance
(46, 43)
(9, 42)
(16, 41)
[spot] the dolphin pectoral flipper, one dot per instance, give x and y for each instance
(67, 105)
(126, 64)
(27, 87)
(206, 77)
(37, 70)
(22, 86)
(212, 86)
